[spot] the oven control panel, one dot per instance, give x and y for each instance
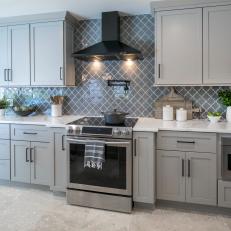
(114, 132)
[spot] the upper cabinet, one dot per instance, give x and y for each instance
(192, 43)
(179, 47)
(217, 45)
(37, 50)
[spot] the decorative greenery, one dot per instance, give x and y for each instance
(225, 97)
(214, 114)
(4, 103)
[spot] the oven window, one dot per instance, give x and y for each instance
(113, 174)
(229, 162)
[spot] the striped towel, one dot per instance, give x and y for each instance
(94, 154)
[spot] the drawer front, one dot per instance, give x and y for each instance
(5, 169)
(4, 131)
(187, 141)
(30, 133)
(5, 149)
(224, 194)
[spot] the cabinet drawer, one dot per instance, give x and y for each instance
(187, 141)
(30, 133)
(5, 169)
(224, 194)
(4, 131)
(5, 149)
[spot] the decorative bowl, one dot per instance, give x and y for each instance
(214, 119)
(24, 110)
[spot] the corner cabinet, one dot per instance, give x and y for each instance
(143, 167)
(179, 47)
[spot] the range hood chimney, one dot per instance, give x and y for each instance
(110, 48)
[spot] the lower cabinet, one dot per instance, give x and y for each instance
(224, 194)
(31, 162)
(143, 167)
(187, 177)
(4, 159)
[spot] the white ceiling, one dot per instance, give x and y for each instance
(82, 8)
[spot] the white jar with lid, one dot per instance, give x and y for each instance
(181, 114)
(167, 113)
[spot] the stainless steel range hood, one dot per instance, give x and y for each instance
(110, 48)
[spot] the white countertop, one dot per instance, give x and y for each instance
(155, 125)
(40, 120)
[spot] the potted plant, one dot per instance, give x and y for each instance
(214, 117)
(4, 104)
(225, 98)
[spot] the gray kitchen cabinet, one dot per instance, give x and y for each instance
(143, 167)
(60, 161)
(51, 49)
(224, 194)
(4, 159)
(188, 172)
(15, 59)
(20, 161)
(201, 179)
(217, 49)
(179, 47)
(171, 175)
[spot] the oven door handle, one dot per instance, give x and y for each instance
(106, 143)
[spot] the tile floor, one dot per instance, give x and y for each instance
(24, 209)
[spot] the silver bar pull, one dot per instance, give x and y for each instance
(159, 71)
(134, 147)
(61, 73)
(63, 148)
(9, 74)
(30, 133)
(189, 169)
(182, 167)
(31, 158)
(5, 77)
(27, 160)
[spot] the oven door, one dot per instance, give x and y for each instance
(116, 174)
(226, 165)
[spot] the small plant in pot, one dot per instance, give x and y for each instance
(214, 117)
(4, 104)
(225, 98)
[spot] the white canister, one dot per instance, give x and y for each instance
(56, 110)
(181, 114)
(2, 112)
(228, 114)
(167, 113)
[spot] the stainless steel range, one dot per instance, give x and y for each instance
(109, 187)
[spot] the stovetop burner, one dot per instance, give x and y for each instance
(99, 121)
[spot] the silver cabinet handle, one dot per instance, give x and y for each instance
(31, 159)
(61, 73)
(182, 167)
(185, 142)
(9, 74)
(5, 77)
(63, 148)
(189, 168)
(159, 72)
(134, 147)
(30, 133)
(27, 160)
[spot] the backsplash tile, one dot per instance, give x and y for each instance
(91, 95)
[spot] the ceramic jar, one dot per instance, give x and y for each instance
(167, 113)
(228, 114)
(2, 112)
(181, 114)
(56, 110)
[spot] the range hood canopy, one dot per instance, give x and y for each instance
(110, 48)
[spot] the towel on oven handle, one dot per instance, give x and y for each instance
(94, 154)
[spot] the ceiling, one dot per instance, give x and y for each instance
(81, 8)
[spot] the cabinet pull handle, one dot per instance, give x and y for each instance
(159, 72)
(134, 147)
(182, 167)
(31, 159)
(61, 73)
(185, 142)
(9, 75)
(30, 133)
(5, 78)
(189, 169)
(63, 148)
(27, 160)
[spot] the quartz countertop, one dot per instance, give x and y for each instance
(40, 120)
(155, 125)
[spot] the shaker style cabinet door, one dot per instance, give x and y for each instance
(179, 47)
(20, 161)
(19, 55)
(47, 62)
(3, 56)
(143, 167)
(171, 175)
(217, 45)
(201, 180)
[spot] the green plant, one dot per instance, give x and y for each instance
(214, 114)
(4, 103)
(225, 97)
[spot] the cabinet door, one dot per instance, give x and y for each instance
(143, 167)
(19, 55)
(179, 47)
(47, 54)
(60, 160)
(20, 161)
(3, 56)
(217, 47)
(41, 163)
(201, 180)
(171, 175)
